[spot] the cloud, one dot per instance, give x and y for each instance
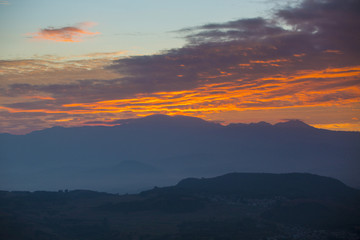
(340, 126)
(306, 56)
(65, 34)
(55, 70)
(4, 3)
(309, 88)
(243, 29)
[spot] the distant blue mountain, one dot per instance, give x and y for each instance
(160, 150)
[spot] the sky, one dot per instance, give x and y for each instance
(76, 63)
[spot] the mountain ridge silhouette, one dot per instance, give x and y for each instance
(177, 147)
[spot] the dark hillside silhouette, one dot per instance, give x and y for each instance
(233, 206)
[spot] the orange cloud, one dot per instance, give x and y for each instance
(40, 97)
(64, 120)
(280, 91)
(65, 34)
(339, 126)
(272, 93)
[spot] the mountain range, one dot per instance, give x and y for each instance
(160, 150)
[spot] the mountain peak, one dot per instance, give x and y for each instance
(260, 124)
(292, 123)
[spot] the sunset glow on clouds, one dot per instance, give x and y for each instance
(65, 34)
(294, 65)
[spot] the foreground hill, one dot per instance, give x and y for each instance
(160, 150)
(233, 206)
(267, 185)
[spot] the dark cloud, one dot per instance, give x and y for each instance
(314, 29)
(332, 23)
(243, 29)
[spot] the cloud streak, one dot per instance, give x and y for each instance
(53, 69)
(65, 34)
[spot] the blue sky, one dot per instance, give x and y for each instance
(137, 26)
